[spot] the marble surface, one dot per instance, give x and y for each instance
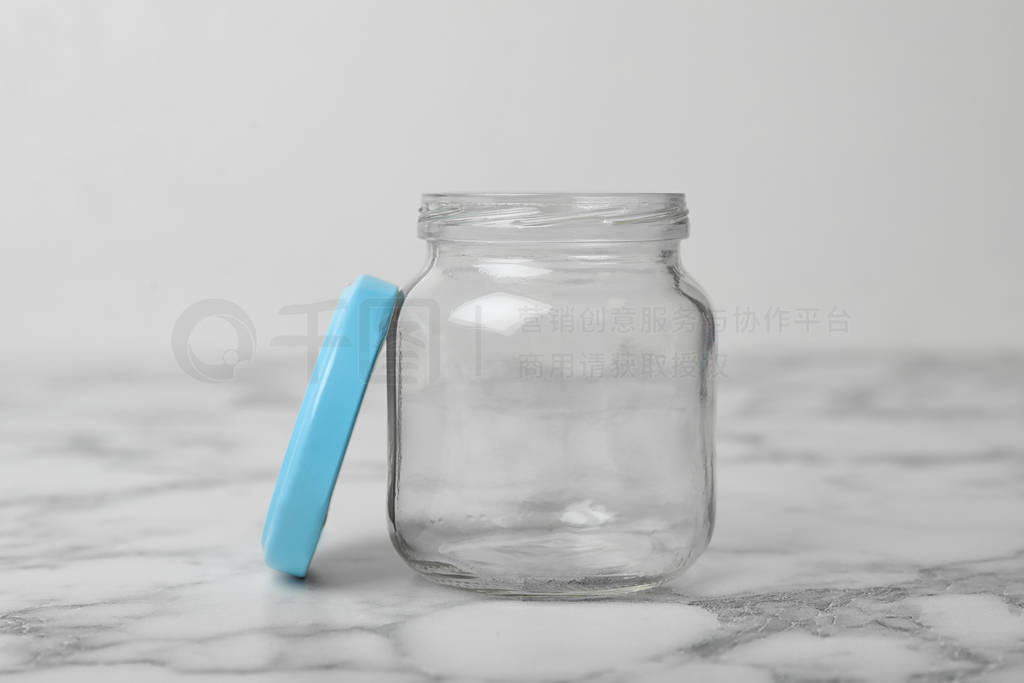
(870, 527)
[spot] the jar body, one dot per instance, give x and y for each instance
(551, 410)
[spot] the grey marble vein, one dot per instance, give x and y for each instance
(870, 527)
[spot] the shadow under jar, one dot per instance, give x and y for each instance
(551, 399)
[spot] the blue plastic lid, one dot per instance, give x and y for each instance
(304, 487)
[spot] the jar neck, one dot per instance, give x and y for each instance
(554, 255)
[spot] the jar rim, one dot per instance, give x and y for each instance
(554, 216)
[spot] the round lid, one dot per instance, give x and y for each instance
(299, 505)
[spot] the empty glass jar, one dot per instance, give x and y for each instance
(551, 399)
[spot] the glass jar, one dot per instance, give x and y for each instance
(551, 398)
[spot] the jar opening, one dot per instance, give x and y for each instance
(554, 217)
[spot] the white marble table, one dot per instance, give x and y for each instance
(871, 526)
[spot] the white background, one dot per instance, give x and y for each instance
(859, 155)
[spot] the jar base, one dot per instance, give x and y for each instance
(539, 588)
(540, 563)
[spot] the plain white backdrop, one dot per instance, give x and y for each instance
(863, 156)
